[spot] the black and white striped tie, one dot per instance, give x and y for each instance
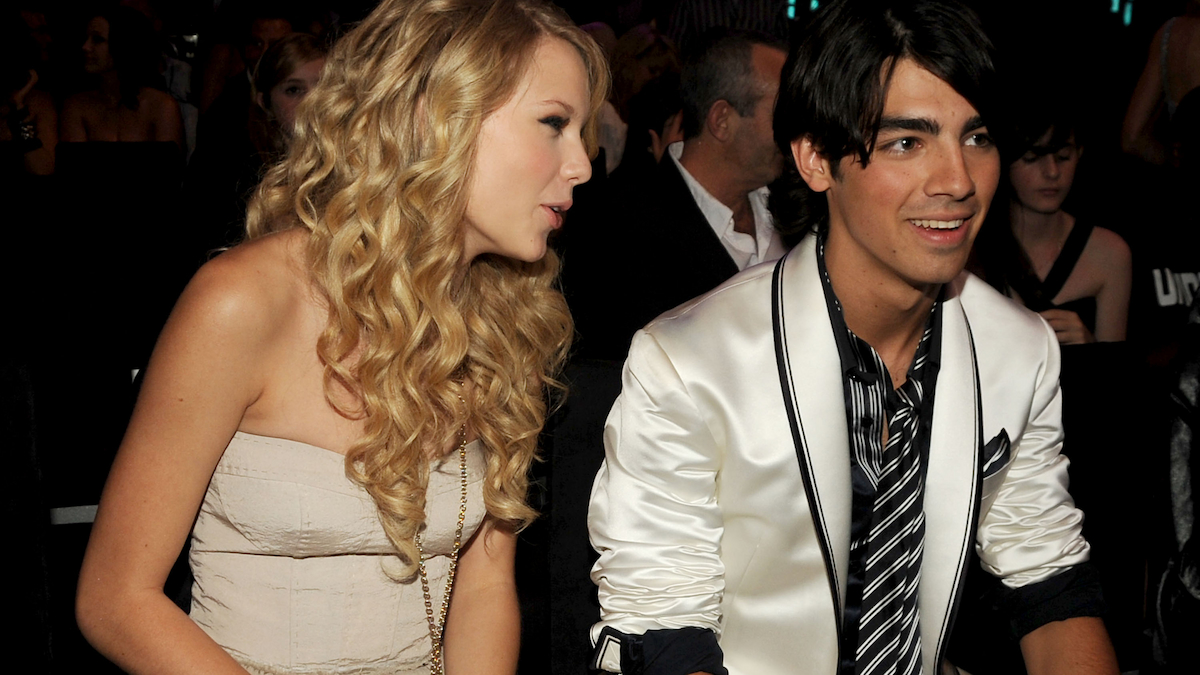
(889, 637)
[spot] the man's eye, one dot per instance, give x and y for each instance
(982, 140)
(902, 145)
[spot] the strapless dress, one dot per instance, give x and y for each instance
(291, 563)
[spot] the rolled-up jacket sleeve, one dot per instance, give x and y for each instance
(654, 515)
(1032, 530)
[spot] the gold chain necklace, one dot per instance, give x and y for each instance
(438, 626)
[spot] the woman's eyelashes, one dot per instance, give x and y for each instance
(556, 122)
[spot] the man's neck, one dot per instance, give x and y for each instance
(886, 312)
(703, 159)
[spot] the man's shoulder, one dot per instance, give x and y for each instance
(1001, 329)
(738, 302)
(988, 308)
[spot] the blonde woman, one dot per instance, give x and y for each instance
(285, 74)
(363, 380)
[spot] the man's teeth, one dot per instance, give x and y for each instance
(556, 209)
(938, 224)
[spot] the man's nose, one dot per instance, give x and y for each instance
(951, 176)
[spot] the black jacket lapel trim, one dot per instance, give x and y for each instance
(789, 401)
(964, 556)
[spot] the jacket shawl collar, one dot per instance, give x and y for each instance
(811, 379)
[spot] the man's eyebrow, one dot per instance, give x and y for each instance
(921, 124)
(972, 124)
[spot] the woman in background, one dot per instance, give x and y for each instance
(1075, 274)
(30, 129)
(1172, 70)
(224, 171)
(348, 403)
(127, 102)
(288, 70)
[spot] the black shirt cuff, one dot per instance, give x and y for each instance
(1075, 592)
(676, 651)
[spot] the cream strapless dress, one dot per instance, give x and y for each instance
(290, 561)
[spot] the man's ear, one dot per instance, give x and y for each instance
(814, 168)
(719, 120)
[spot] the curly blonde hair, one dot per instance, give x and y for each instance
(377, 172)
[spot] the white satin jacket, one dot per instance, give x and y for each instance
(714, 509)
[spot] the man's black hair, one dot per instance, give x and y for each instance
(834, 84)
(720, 67)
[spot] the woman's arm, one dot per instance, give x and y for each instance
(168, 122)
(205, 371)
(36, 107)
(70, 126)
(40, 162)
(483, 627)
(1112, 302)
(1136, 132)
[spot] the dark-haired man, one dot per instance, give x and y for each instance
(801, 461)
(701, 217)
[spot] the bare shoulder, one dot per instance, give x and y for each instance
(40, 102)
(1108, 248)
(252, 289)
(157, 103)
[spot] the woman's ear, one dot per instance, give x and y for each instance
(814, 168)
(261, 101)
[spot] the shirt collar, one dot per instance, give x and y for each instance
(720, 217)
(931, 348)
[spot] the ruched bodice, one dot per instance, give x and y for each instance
(290, 561)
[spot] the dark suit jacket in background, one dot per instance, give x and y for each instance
(632, 251)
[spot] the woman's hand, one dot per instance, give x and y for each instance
(1068, 327)
(18, 97)
(25, 107)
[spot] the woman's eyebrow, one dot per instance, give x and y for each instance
(566, 106)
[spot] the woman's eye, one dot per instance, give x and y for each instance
(555, 122)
